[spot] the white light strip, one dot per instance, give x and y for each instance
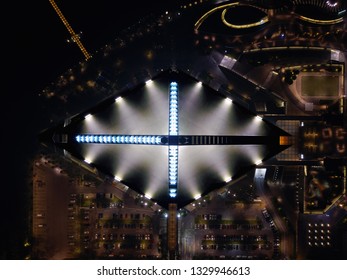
(173, 131)
(172, 192)
(119, 139)
(173, 109)
(173, 166)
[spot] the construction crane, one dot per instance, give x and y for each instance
(75, 37)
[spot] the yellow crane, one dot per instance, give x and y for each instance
(75, 37)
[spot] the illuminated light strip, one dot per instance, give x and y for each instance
(226, 7)
(119, 139)
(243, 26)
(322, 22)
(173, 109)
(206, 15)
(286, 48)
(75, 38)
(173, 131)
(173, 166)
(262, 21)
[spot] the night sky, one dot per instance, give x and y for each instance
(36, 54)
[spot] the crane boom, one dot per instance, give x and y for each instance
(75, 38)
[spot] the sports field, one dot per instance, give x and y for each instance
(320, 86)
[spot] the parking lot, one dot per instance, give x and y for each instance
(223, 230)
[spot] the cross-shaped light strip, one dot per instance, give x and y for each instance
(173, 140)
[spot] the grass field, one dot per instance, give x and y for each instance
(320, 86)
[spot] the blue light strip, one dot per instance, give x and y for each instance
(173, 109)
(119, 139)
(173, 131)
